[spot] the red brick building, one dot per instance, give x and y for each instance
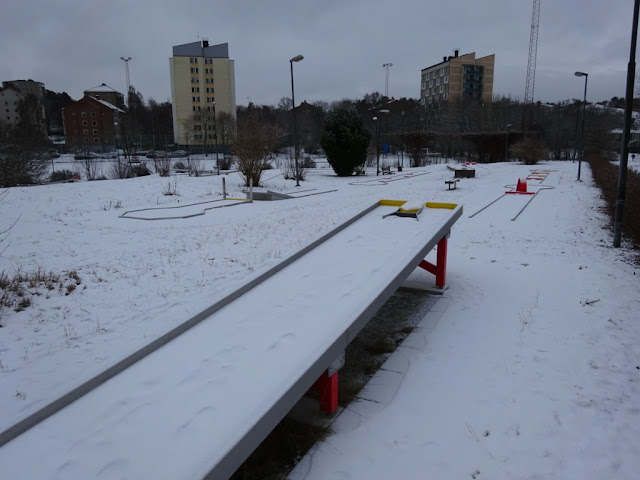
(92, 124)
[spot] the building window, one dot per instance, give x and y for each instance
(95, 132)
(84, 123)
(211, 99)
(195, 80)
(195, 99)
(446, 79)
(208, 61)
(94, 123)
(193, 59)
(93, 114)
(208, 80)
(196, 108)
(85, 132)
(194, 69)
(95, 140)
(208, 71)
(83, 114)
(195, 89)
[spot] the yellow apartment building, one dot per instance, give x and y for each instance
(458, 77)
(202, 80)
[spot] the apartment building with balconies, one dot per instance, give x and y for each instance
(458, 77)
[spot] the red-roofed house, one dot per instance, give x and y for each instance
(92, 124)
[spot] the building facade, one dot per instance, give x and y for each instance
(92, 124)
(458, 77)
(202, 84)
(106, 93)
(15, 91)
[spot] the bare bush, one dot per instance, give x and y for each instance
(119, 170)
(171, 188)
(287, 166)
(162, 165)
(91, 166)
(225, 162)
(254, 143)
(530, 151)
(194, 166)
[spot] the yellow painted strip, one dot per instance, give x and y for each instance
(239, 199)
(392, 203)
(449, 206)
(399, 203)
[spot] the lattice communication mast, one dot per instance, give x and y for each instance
(533, 52)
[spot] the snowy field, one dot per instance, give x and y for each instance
(527, 368)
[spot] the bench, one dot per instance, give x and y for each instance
(386, 170)
(453, 183)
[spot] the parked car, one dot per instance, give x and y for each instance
(86, 156)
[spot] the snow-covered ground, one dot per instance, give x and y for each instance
(527, 368)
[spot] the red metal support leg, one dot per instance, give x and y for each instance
(327, 388)
(440, 268)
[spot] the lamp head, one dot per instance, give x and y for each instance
(375, 119)
(297, 58)
(581, 74)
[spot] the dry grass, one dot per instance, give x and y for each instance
(17, 290)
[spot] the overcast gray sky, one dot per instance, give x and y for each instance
(75, 45)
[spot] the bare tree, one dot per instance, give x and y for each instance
(253, 147)
(201, 127)
(90, 164)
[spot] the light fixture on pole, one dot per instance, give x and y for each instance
(584, 110)
(126, 69)
(386, 78)
(297, 58)
(506, 144)
(375, 122)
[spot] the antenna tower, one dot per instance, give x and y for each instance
(533, 53)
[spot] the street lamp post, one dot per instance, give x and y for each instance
(126, 69)
(402, 139)
(385, 145)
(628, 121)
(506, 144)
(215, 136)
(297, 58)
(584, 110)
(375, 122)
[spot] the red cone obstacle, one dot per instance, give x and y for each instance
(521, 188)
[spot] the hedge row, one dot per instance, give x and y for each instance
(605, 174)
